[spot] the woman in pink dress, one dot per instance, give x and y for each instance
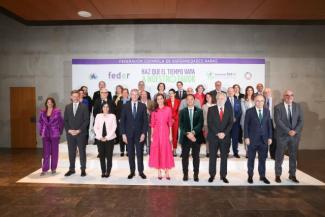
(161, 155)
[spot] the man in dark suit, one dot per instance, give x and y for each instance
(96, 95)
(100, 101)
(220, 119)
(289, 121)
(235, 105)
(258, 136)
(76, 120)
(134, 127)
(180, 93)
(190, 136)
(119, 106)
(218, 89)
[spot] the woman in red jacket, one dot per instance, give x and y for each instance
(174, 104)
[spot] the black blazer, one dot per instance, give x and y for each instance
(130, 126)
(183, 96)
(214, 124)
(119, 107)
(97, 96)
(98, 107)
(185, 125)
(78, 122)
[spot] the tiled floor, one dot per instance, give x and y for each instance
(17, 199)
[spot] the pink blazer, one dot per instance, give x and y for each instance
(110, 122)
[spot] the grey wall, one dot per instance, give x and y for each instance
(41, 57)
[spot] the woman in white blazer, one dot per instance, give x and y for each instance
(104, 127)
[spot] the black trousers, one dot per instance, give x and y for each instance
(122, 145)
(195, 155)
(75, 142)
(105, 155)
(135, 147)
(214, 146)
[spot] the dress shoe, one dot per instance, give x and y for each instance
(277, 179)
(83, 173)
(131, 175)
(122, 154)
(207, 155)
(294, 179)
(224, 179)
(211, 179)
(43, 174)
(69, 173)
(103, 175)
(196, 177)
(265, 180)
(236, 156)
(143, 176)
(107, 175)
(185, 177)
(53, 171)
(250, 179)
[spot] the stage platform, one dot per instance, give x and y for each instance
(237, 172)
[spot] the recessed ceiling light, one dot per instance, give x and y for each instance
(84, 14)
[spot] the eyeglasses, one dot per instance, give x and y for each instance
(289, 95)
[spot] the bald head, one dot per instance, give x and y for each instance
(259, 101)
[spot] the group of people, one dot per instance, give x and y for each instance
(180, 117)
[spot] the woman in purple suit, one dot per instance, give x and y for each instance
(50, 129)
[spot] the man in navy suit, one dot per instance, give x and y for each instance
(134, 127)
(258, 135)
(234, 103)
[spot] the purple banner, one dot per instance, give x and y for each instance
(170, 61)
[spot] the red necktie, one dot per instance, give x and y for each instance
(221, 113)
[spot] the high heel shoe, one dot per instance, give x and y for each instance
(160, 177)
(167, 177)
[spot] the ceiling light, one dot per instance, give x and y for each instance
(84, 14)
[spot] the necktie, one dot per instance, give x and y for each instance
(260, 116)
(74, 109)
(104, 132)
(180, 94)
(191, 118)
(221, 113)
(134, 112)
(290, 114)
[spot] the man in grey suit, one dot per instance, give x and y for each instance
(288, 117)
(76, 120)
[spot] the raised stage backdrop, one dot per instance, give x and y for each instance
(191, 71)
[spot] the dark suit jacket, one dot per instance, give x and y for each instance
(254, 130)
(214, 94)
(236, 109)
(97, 96)
(119, 107)
(185, 125)
(215, 126)
(282, 123)
(98, 107)
(134, 127)
(78, 122)
(183, 95)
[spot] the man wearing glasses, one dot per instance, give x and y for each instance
(288, 117)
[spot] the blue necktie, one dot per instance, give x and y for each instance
(134, 112)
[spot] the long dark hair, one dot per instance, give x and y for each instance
(156, 101)
(246, 90)
(49, 99)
